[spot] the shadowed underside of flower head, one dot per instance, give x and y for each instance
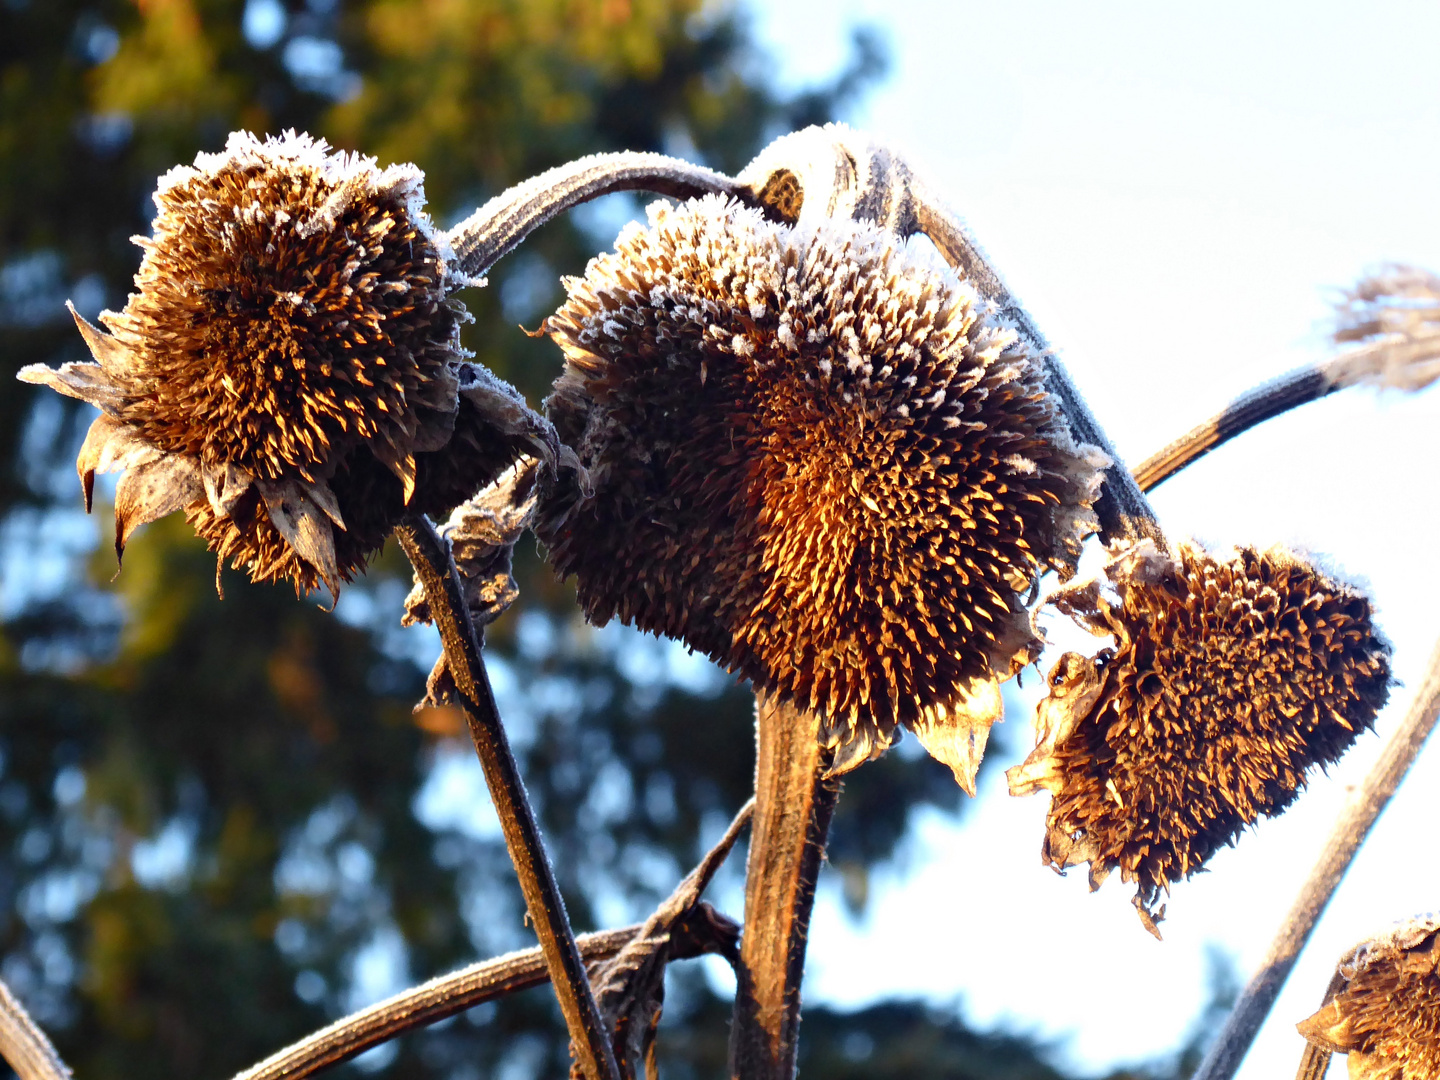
(816, 461)
(289, 371)
(1229, 677)
(1387, 1016)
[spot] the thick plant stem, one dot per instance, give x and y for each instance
(794, 803)
(24, 1046)
(1270, 400)
(1350, 831)
(590, 1042)
(498, 227)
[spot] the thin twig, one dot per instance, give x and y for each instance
(24, 1046)
(793, 807)
(590, 1041)
(1349, 832)
(1280, 395)
(426, 1004)
(701, 930)
(1122, 508)
(486, 236)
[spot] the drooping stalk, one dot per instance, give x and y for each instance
(590, 1041)
(1122, 508)
(794, 803)
(1350, 830)
(487, 235)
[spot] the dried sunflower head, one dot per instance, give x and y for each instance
(289, 372)
(1386, 1016)
(1227, 680)
(815, 459)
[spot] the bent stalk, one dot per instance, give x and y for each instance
(498, 227)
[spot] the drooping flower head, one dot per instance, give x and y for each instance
(815, 459)
(290, 368)
(1386, 1016)
(1228, 678)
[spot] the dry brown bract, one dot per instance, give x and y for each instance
(1229, 678)
(289, 372)
(1387, 1016)
(816, 460)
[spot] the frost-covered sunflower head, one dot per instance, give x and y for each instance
(1228, 678)
(1386, 1013)
(817, 460)
(289, 370)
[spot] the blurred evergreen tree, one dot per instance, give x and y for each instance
(220, 824)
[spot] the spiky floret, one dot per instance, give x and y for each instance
(816, 460)
(289, 370)
(1386, 1016)
(1228, 679)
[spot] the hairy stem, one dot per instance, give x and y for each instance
(1122, 508)
(1273, 398)
(794, 803)
(24, 1046)
(1349, 832)
(590, 1041)
(498, 227)
(426, 1004)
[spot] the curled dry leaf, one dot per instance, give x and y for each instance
(289, 370)
(1386, 1015)
(1228, 678)
(482, 533)
(816, 459)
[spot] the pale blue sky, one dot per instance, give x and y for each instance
(1176, 197)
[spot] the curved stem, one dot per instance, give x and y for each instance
(1281, 395)
(426, 1004)
(434, 567)
(794, 803)
(1122, 508)
(487, 235)
(24, 1046)
(1350, 830)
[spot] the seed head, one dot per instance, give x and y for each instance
(816, 460)
(289, 370)
(1228, 679)
(1387, 1015)
(1392, 317)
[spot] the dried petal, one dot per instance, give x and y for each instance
(956, 734)
(150, 490)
